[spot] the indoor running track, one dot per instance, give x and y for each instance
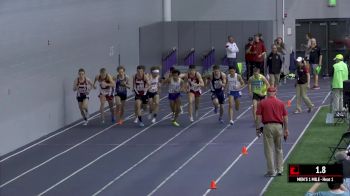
(158, 159)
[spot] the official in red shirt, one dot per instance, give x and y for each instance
(273, 114)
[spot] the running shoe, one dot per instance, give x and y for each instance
(310, 109)
(215, 110)
(221, 120)
(181, 110)
(297, 111)
(136, 120)
(154, 120)
(120, 122)
(191, 118)
(141, 124)
(316, 87)
(85, 123)
(87, 115)
(176, 124)
(231, 122)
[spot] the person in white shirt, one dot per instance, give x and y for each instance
(231, 51)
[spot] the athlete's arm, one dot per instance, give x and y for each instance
(182, 86)
(90, 83)
(75, 85)
(111, 82)
(250, 85)
(224, 81)
(127, 82)
(266, 82)
(96, 79)
(240, 79)
(201, 82)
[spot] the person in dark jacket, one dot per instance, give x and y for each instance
(302, 84)
(274, 64)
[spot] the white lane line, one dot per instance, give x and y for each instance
(296, 142)
(230, 166)
(59, 154)
(105, 154)
(54, 135)
(64, 152)
(194, 155)
(236, 160)
(150, 154)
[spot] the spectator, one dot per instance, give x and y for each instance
(315, 61)
(307, 46)
(281, 49)
(336, 189)
(273, 114)
(249, 57)
(274, 64)
(259, 51)
(302, 84)
(343, 158)
(340, 74)
(231, 51)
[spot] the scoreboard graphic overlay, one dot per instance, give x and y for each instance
(315, 173)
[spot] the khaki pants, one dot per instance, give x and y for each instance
(337, 104)
(302, 95)
(274, 79)
(273, 147)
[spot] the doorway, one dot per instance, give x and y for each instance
(330, 35)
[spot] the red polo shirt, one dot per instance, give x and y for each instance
(257, 49)
(272, 110)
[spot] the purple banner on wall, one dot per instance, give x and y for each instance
(209, 60)
(169, 61)
(190, 58)
(224, 60)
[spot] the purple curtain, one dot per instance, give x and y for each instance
(169, 61)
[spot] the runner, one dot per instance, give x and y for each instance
(140, 86)
(257, 87)
(176, 85)
(106, 92)
(83, 85)
(121, 86)
(153, 93)
(234, 85)
(195, 82)
(217, 81)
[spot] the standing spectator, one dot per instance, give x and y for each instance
(307, 46)
(273, 114)
(249, 57)
(281, 49)
(315, 61)
(274, 64)
(258, 50)
(340, 74)
(336, 189)
(231, 52)
(302, 84)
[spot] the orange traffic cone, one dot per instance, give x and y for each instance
(289, 103)
(244, 150)
(212, 184)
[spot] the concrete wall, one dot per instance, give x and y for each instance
(36, 78)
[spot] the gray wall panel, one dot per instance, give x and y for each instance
(202, 40)
(83, 33)
(218, 31)
(151, 44)
(170, 36)
(186, 34)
